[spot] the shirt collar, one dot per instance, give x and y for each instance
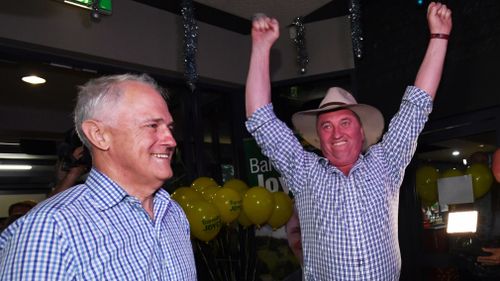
(162, 195)
(107, 193)
(325, 163)
(104, 191)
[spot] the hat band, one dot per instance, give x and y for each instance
(332, 103)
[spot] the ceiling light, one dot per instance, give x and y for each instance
(15, 167)
(25, 156)
(455, 153)
(10, 143)
(464, 161)
(33, 79)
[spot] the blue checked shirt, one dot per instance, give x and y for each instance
(96, 231)
(349, 223)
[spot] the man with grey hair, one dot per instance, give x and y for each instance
(120, 224)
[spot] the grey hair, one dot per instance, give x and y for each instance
(103, 93)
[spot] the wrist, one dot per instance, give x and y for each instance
(440, 36)
(262, 49)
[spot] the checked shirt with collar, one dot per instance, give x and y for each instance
(96, 231)
(349, 223)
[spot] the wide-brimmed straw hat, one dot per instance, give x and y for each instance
(372, 120)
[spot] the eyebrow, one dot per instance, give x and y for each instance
(157, 120)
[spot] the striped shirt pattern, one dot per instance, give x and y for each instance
(349, 223)
(96, 231)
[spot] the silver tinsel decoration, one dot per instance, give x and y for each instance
(299, 40)
(190, 43)
(356, 32)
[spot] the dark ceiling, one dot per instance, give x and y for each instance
(57, 94)
(230, 21)
(63, 75)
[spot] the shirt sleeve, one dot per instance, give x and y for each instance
(36, 250)
(400, 141)
(281, 146)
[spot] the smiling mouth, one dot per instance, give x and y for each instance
(161, 155)
(339, 143)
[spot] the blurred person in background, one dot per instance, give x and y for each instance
(493, 253)
(294, 238)
(73, 164)
(16, 211)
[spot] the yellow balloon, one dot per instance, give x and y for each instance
(243, 220)
(481, 179)
(202, 182)
(204, 220)
(237, 185)
(453, 172)
(185, 195)
(426, 184)
(228, 202)
(208, 193)
(283, 209)
(258, 205)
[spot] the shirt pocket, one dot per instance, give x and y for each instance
(375, 194)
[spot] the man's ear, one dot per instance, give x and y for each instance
(95, 132)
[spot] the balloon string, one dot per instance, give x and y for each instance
(247, 254)
(254, 258)
(228, 241)
(240, 248)
(223, 250)
(206, 261)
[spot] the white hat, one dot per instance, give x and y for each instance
(372, 120)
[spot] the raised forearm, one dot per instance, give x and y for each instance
(265, 31)
(431, 69)
(258, 85)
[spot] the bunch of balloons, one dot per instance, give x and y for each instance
(208, 206)
(427, 176)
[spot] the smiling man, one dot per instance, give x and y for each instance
(347, 199)
(120, 224)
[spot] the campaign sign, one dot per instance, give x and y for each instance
(259, 169)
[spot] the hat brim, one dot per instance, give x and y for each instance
(371, 119)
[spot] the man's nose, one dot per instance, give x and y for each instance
(167, 137)
(336, 133)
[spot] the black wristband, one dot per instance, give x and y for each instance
(440, 36)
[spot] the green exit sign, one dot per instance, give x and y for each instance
(104, 6)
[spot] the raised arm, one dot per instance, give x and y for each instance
(429, 74)
(265, 31)
(67, 179)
